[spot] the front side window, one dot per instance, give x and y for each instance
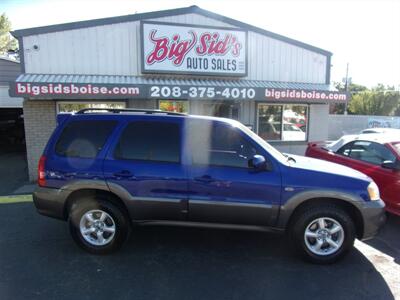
(150, 141)
(371, 152)
(282, 122)
(84, 139)
(220, 145)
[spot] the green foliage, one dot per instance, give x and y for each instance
(7, 42)
(353, 88)
(379, 101)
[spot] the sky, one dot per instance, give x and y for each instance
(363, 33)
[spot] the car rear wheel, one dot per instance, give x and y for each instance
(322, 234)
(98, 226)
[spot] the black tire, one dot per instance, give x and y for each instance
(121, 222)
(306, 216)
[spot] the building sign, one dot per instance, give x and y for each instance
(72, 90)
(170, 92)
(191, 49)
(388, 122)
(297, 95)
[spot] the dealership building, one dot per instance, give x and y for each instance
(186, 60)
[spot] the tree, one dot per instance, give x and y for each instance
(353, 89)
(7, 42)
(379, 101)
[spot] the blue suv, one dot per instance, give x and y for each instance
(107, 170)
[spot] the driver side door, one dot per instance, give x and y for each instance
(367, 157)
(222, 188)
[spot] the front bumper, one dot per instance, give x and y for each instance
(50, 202)
(373, 213)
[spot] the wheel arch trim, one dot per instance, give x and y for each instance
(294, 202)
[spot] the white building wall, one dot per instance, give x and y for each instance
(115, 50)
(339, 125)
(318, 122)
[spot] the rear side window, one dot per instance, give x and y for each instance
(151, 141)
(84, 139)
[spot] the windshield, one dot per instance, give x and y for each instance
(271, 150)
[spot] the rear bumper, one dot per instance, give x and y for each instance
(373, 213)
(50, 202)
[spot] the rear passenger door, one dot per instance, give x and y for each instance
(145, 162)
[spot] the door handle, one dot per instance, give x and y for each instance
(124, 174)
(204, 179)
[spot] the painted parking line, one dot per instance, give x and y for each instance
(15, 199)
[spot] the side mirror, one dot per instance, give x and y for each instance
(258, 162)
(393, 165)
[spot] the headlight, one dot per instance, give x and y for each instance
(373, 191)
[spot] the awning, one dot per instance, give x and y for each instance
(64, 86)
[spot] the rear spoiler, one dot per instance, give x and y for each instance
(62, 117)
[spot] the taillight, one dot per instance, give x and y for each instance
(42, 171)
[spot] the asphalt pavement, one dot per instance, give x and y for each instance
(38, 260)
(13, 169)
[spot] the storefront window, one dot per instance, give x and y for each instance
(282, 122)
(70, 107)
(174, 106)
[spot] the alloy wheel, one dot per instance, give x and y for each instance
(97, 227)
(324, 236)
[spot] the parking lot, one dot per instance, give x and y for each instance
(38, 259)
(13, 168)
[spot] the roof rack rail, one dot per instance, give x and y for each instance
(121, 110)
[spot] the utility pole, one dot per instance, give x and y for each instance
(346, 86)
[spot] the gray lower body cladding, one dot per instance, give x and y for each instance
(51, 202)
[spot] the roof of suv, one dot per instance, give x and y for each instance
(85, 113)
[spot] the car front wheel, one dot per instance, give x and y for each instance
(323, 234)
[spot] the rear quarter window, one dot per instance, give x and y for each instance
(84, 139)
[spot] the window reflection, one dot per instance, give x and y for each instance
(282, 122)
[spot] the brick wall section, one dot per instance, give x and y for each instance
(40, 121)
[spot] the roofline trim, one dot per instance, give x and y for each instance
(259, 30)
(100, 22)
(9, 60)
(164, 13)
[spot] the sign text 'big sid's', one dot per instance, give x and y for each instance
(189, 49)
